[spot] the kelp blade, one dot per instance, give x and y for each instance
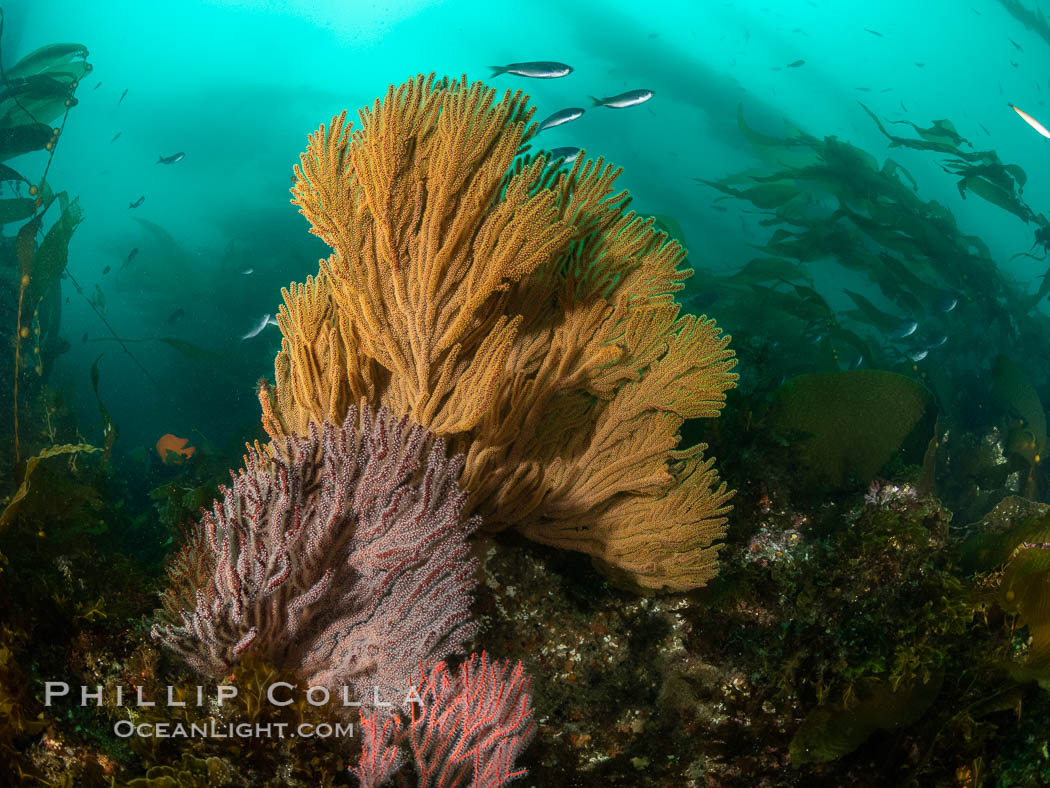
(12, 508)
(44, 58)
(41, 99)
(16, 209)
(15, 141)
(50, 259)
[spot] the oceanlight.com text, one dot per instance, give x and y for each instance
(243, 730)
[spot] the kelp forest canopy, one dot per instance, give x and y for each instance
(937, 306)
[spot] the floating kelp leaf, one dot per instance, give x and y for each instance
(1008, 177)
(16, 209)
(12, 507)
(1031, 19)
(8, 174)
(44, 58)
(850, 424)
(938, 139)
(51, 257)
(1017, 174)
(831, 731)
(71, 72)
(40, 99)
(40, 86)
(996, 195)
(766, 195)
(941, 131)
(16, 140)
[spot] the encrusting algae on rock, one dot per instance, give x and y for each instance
(519, 311)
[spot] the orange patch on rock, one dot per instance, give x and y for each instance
(173, 449)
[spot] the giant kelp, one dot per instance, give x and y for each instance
(935, 291)
(35, 91)
(13, 504)
(1033, 20)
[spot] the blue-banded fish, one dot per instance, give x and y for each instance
(629, 99)
(559, 118)
(537, 69)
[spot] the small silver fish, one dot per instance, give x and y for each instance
(946, 303)
(814, 334)
(936, 342)
(247, 271)
(560, 117)
(568, 153)
(538, 69)
(905, 329)
(264, 321)
(175, 157)
(629, 99)
(918, 355)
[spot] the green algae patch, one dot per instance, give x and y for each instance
(846, 426)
